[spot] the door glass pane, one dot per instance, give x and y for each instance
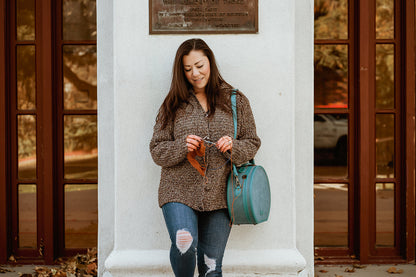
(80, 77)
(26, 146)
(25, 19)
(331, 19)
(27, 216)
(81, 216)
(385, 76)
(385, 19)
(385, 159)
(331, 76)
(331, 145)
(26, 77)
(79, 20)
(331, 215)
(385, 214)
(80, 140)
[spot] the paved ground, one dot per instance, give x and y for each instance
(17, 270)
(409, 270)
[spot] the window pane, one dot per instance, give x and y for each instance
(331, 145)
(79, 20)
(385, 19)
(81, 216)
(385, 214)
(80, 140)
(80, 77)
(26, 77)
(331, 19)
(25, 19)
(331, 76)
(26, 146)
(331, 215)
(27, 216)
(385, 76)
(385, 159)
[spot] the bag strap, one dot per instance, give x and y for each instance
(234, 109)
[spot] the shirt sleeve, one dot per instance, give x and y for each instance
(247, 143)
(167, 151)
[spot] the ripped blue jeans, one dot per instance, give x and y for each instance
(196, 235)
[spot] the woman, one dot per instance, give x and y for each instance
(197, 114)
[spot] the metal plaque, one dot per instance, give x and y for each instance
(203, 16)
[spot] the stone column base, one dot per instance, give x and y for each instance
(281, 262)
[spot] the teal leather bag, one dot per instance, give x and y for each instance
(248, 189)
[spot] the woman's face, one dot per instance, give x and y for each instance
(197, 69)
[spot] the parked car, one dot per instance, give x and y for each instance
(331, 132)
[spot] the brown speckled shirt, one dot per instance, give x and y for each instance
(180, 182)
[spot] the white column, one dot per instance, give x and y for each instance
(274, 70)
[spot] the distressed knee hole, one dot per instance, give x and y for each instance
(210, 263)
(184, 241)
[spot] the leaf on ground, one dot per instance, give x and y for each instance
(336, 275)
(26, 275)
(359, 266)
(323, 271)
(350, 270)
(92, 268)
(79, 265)
(393, 270)
(12, 259)
(4, 270)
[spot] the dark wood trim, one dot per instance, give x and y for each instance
(78, 42)
(352, 118)
(4, 226)
(79, 112)
(60, 195)
(366, 65)
(46, 76)
(332, 41)
(410, 155)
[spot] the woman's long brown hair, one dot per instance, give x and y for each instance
(179, 88)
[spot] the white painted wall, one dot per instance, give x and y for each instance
(274, 70)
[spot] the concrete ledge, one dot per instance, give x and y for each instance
(282, 262)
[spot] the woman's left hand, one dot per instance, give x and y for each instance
(225, 143)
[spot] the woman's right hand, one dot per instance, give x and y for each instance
(193, 142)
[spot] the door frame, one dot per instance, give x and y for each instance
(363, 203)
(44, 84)
(4, 226)
(410, 106)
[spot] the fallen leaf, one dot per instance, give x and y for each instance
(319, 258)
(26, 275)
(92, 268)
(359, 266)
(323, 271)
(336, 275)
(393, 270)
(12, 259)
(349, 270)
(4, 270)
